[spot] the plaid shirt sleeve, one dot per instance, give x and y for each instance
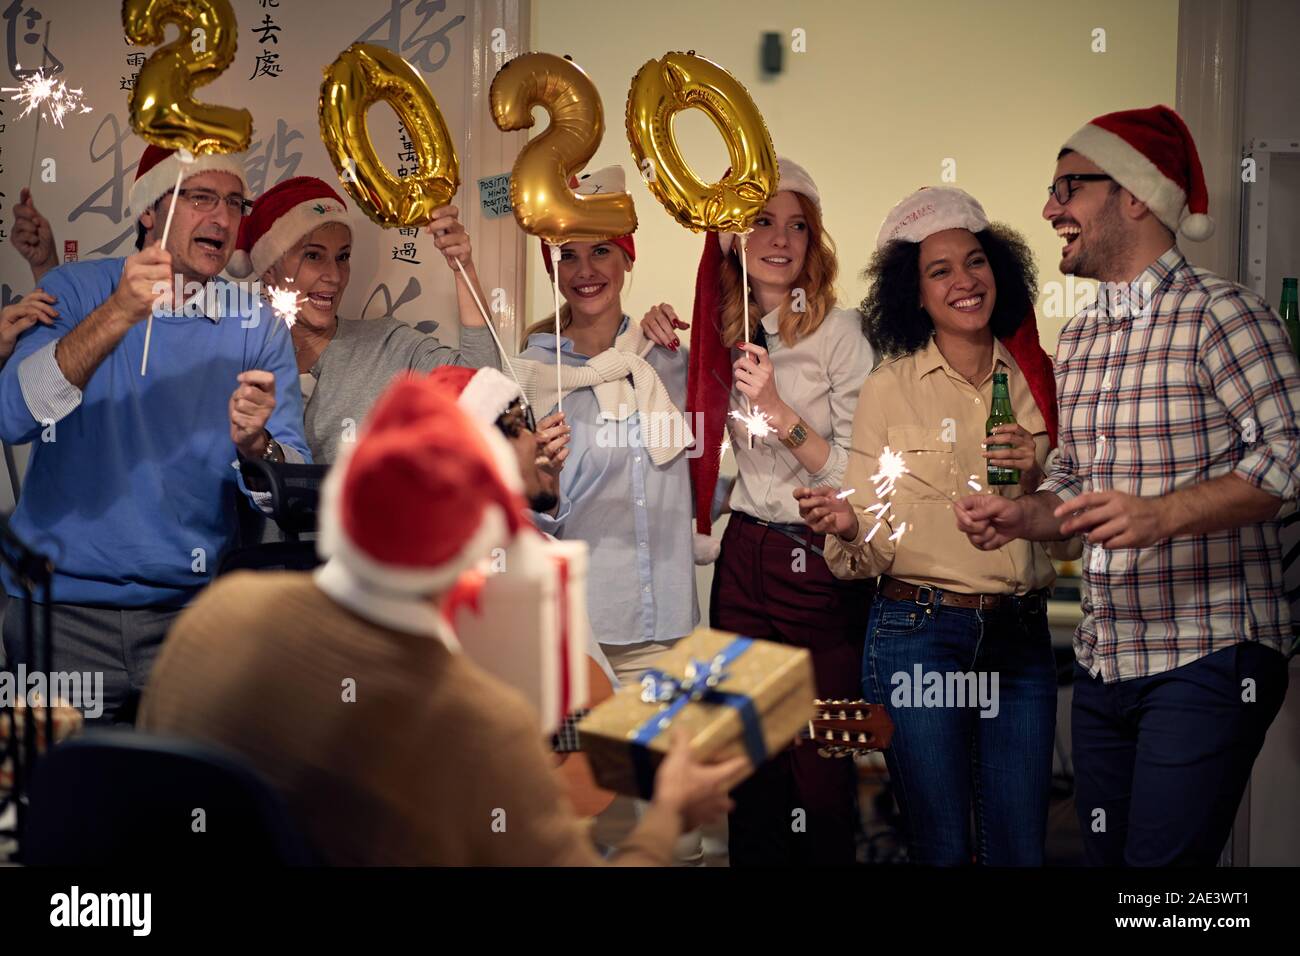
(1063, 479)
(1246, 354)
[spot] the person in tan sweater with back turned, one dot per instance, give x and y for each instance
(345, 689)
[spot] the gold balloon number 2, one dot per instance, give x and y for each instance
(363, 75)
(544, 203)
(162, 107)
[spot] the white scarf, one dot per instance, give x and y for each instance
(623, 382)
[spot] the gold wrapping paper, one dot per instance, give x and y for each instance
(778, 678)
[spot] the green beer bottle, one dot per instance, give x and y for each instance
(1290, 313)
(1001, 414)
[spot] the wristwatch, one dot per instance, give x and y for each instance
(273, 453)
(798, 435)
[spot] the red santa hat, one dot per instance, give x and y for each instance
(280, 217)
(933, 209)
(607, 180)
(156, 173)
(484, 393)
(1151, 153)
(419, 499)
(708, 377)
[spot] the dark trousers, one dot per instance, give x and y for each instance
(770, 586)
(1161, 762)
(115, 645)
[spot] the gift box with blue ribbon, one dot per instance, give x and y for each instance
(733, 695)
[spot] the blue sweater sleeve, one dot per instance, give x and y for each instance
(275, 355)
(19, 423)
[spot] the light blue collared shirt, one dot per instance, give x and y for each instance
(634, 515)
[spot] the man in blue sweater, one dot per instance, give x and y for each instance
(133, 479)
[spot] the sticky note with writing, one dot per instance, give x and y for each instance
(494, 196)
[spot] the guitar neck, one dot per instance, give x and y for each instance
(565, 740)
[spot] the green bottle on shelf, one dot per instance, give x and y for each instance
(1001, 414)
(1290, 313)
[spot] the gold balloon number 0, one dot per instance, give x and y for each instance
(162, 107)
(363, 75)
(676, 81)
(544, 203)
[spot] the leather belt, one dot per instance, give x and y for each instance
(795, 532)
(927, 595)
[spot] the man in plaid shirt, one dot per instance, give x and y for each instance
(1179, 401)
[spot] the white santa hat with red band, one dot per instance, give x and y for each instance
(929, 210)
(791, 178)
(1151, 153)
(156, 173)
(419, 499)
(611, 179)
(280, 217)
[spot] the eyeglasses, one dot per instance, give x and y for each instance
(1062, 190)
(517, 418)
(205, 200)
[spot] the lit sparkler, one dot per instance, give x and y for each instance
(726, 446)
(285, 303)
(756, 421)
(52, 98)
(890, 467)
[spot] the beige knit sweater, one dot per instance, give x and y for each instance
(434, 762)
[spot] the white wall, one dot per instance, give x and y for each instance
(885, 92)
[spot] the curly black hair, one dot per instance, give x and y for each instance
(892, 318)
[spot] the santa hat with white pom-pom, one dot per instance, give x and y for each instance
(282, 216)
(1151, 153)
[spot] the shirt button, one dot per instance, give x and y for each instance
(645, 544)
(637, 459)
(640, 502)
(646, 589)
(977, 401)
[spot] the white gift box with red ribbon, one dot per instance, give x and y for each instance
(522, 617)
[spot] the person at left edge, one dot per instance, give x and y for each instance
(132, 483)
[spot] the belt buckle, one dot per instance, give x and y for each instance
(1032, 603)
(929, 600)
(988, 602)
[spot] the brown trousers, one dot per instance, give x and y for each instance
(771, 586)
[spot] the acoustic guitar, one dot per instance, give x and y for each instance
(842, 728)
(571, 766)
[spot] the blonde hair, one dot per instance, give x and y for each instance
(566, 313)
(548, 324)
(816, 279)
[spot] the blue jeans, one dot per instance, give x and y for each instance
(973, 698)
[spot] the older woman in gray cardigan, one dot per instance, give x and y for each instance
(297, 236)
